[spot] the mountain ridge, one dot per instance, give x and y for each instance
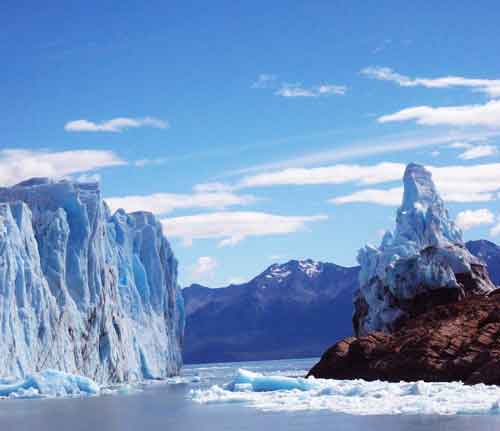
(277, 314)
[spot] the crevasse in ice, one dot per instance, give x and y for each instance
(83, 291)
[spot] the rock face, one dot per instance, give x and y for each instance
(290, 310)
(422, 264)
(84, 291)
(459, 341)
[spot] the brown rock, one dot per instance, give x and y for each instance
(458, 341)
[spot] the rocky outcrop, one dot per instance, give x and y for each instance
(422, 264)
(459, 341)
(426, 308)
(84, 291)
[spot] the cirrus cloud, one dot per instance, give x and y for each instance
(297, 90)
(115, 125)
(478, 151)
(335, 174)
(489, 86)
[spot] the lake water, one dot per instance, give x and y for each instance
(192, 402)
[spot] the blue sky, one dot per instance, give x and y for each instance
(257, 132)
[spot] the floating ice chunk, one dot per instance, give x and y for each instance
(49, 384)
(356, 397)
(260, 383)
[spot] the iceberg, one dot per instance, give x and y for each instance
(424, 262)
(49, 384)
(276, 393)
(84, 291)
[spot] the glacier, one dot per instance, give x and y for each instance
(424, 262)
(275, 393)
(84, 291)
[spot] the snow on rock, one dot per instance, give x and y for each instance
(84, 291)
(49, 384)
(279, 272)
(356, 397)
(424, 262)
(310, 267)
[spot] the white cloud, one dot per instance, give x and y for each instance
(287, 89)
(115, 125)
(163, 203)
(297, 90)
(473, 183)
(489, 86)
(331, 89)
(141, 163)
(487, 114)
(18, 165)
(203, 269)
(336, 174)
(461, 145)
(212, 187)
(376, 146)
(389, 197)
(476, 152)
(265, 80)
(495, 230)
(468, 219)
(232, 227)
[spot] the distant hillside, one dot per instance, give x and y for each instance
(489, 252)
(295, 309)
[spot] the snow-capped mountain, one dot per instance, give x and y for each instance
(84, 291)
(293, 309)
(423, 263)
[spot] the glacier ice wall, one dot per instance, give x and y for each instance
(423, 263)
(84, 291)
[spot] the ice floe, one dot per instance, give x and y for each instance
(48, 384)
(357, 397)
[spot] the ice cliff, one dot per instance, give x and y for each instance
(423, 263)
(84, 291)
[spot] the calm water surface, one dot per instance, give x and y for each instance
(168, 407)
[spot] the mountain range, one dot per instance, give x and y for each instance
(278, 314)
(294, 309)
